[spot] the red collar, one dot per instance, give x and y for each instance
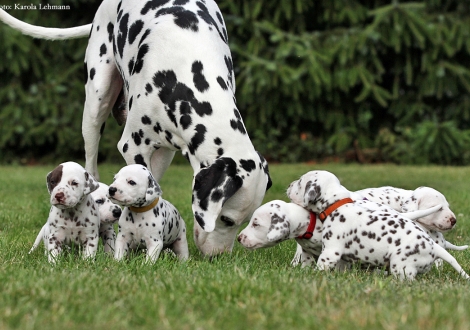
(311, 227)
(333, 207)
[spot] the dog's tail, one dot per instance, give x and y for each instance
(450, 246)
(440, 252)
(38, 239)
(44, 32)
(413, 215)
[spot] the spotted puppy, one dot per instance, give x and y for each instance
(147, 221)
(299, 224)
(421, 198)
(352, 232)
(73, 218)
(169, 63)
(109, 215)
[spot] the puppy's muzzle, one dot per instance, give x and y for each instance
(60, 197)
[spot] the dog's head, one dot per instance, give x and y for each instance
(109, 212)
(269, 225)
(134, 185)
(68, 184)
(316, 189)
(425, 198)
(225, 194)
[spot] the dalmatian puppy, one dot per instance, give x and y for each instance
(148, 221)
(404, 200)
(109, 215)
(301, 225)
(172, 60)
(73, 218)
(352, 232)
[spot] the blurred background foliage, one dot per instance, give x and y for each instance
(366, 81)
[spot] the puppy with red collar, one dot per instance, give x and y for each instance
(147, 220)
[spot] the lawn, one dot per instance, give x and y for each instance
(242, 290)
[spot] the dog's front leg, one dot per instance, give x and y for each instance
(91, 247)
(121, 247)
(154, 247)
(328, 259)
(54, 248)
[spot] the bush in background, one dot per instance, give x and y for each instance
(360, 80)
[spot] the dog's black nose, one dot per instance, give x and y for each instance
(453, 221)
(59, 197)
(112, 191)
(117, 213)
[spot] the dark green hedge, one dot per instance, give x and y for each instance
(360, 80)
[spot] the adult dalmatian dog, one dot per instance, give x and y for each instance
(172, 60)
(74, 217)
(352, 232)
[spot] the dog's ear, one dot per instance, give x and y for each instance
(265, 166)
(412, 203)
(311, 194)
(53, 178)
(279, 229)
(212, 187)
(153, 189)
(90, 183)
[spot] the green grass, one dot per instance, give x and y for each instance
(243, 290)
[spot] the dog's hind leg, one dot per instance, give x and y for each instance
(102, 88)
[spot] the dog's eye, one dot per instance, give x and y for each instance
(99, 201)
(132, 183)
(74, 183)
(255, 225)
(228, 222)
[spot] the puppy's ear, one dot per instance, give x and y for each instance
(90, 183)
(212, 187)
(279, 229)
(412, 203)
(48, 182)
(153, 189)
(53, 178)
(311, 194)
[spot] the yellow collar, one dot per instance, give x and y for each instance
(144, 208)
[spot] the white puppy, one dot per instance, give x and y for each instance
(403, 200)
(73, 218)
(109, 215)
(147, 219)
(299, 224)
(353, 232)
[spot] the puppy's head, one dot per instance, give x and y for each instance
(269, 225)
(68, 184)
(109, 212)
(316, 188)
(134, 185)
(425, 198)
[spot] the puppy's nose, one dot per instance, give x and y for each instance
(239, 239)
(453, 221)
(112, 191)
(59, 196)
(117, 212)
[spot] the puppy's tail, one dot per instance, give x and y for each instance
(440, 252)
(413, 215)
(38, 239)
(44, 32)
(450, 246)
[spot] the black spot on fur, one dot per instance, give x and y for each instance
(222, 83)
(134, 30)
(197, 138)
(198, 77)
(183, 18)
(103, 50)
(152, 5)
(92, 73)
(122, 34)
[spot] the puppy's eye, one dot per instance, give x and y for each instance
(99, 201)
(132, 183)
(228, 222)
(255, 225)
(74, 183)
